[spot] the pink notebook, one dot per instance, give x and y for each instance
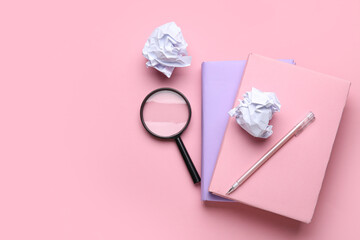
(290, 182)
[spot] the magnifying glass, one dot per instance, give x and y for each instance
(165, 113)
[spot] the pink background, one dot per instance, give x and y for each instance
(75, 161)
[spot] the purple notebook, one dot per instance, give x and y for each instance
(220, 83)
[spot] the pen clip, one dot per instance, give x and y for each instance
(304, 123)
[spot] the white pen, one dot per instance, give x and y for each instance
(293, 132)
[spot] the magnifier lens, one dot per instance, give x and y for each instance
(166, 113)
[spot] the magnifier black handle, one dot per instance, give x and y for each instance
(189, 164)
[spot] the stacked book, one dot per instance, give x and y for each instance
(289, 183)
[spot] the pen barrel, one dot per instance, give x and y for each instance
(293, 132)
(270, 153)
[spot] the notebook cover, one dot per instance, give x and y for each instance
(290, 182)
(220, 83)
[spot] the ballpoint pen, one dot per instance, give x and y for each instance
(293, 132)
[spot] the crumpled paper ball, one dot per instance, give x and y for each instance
(165, 49)
(255, 111)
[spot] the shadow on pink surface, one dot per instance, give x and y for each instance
(256, 216)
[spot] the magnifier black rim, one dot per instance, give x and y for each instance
(143, 105)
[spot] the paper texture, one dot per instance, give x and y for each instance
(290, 182)
(165, 49)
(220, 83)
(255, 111)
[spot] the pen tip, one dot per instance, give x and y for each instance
(230, 191)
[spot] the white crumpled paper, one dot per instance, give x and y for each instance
(165, 49)
(255, 111)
